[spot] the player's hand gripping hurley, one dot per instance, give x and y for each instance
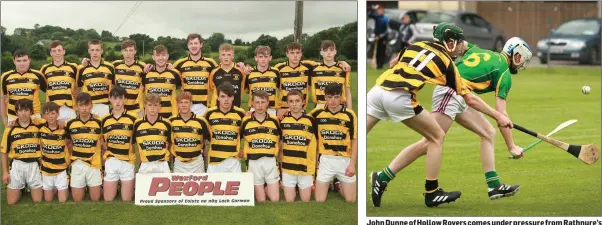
(558, 128)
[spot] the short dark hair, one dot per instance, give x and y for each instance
(128, 43)
(49, 107)
(333, 89)
(295, 92)
(55, 44)
(24, 104)
(260, 94)
(326, 44)
(83, 98)
(294, 46)
(193, 36)
(20, 53)
(160, 49)
(226, 88)
(117, 91)
(95, 42)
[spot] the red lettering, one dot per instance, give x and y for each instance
(232, 187)
(190, 188)
(205, 187)
(158, 184)
(217, 190)
(176, 188)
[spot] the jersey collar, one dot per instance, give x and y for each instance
(192, 117)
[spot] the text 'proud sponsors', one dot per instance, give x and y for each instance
(214, 189)
(486, 221)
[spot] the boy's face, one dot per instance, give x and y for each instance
(57, 52)
(295, 103)
(117, 102)
(22, 63)
(184, 105)
(333, 100)
(294, 55)
(194, 46)
(225, 101)
(95, 52)
(129, 53)
(329, 53)
(226, 57)
(24, 114)
(152, 109)
(260, 104)
(51, 116)
(160, 58)
(263, 60)
(84, 109)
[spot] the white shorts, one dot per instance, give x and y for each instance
(83, 175)
(100, 110)
(229, 165)
(269, 111)
(25, 173)
(395, 104)
(302, 181)
(198, 109)
(118, 170)
(334, 166)
(264, 170)
(58, 182)
(66, 113)
(195, 166)
(154, 167)
(14, 118)
(448, 102)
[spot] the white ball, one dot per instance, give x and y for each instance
(585, 89)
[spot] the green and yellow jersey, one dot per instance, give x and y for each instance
(299, 144)
(486, 71)
(261, 138)
(22, 86)
(129, 77)
(96, 81)
(60, 82)
(195, 77)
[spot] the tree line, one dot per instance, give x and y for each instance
(36, 41)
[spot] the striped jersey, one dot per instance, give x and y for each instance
(85, 136)
(225, 133)
(54, 151)
(188, 137)
(323, 75)
(420, 63)
(60, 82)
(23, 86)
(336, 130)
(152, 139)
(267, 81)
(294, 78)
(233, 76)
(22, 143)
(96, 81)
(261, 138)
(195, 77)
(486, 71)
(299, 144)
(129, 77)
(117, 134)
(165, 85)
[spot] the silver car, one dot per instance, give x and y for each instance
(476, 29)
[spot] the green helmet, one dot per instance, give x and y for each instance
(448, 32)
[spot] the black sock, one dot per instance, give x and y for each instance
(431, 185)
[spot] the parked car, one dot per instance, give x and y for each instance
(395, 15)
(476, 29)
(575, 40)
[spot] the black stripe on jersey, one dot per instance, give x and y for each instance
(296, 167)
(261, 79)
(118, 151)
(22, 81)
(100, 97)
(253, 156)
(224, 121)
(24, 135)
(125, 72)
(166, 104)
(450, 77)
(216, 160)
(183, 129)
(336, 148)
(53, 137)
(49, 170)
(294, 126)
(57, 97)
(261, 130)
(439, 48)
(146, 132)
(165, 115)
(292, 153)
(56, 73)
(334, 121)
(426, 71)
(131, 96)
(82, 154)
(400, 84)
(321, 97)
(192, 68)
(160, 80)
(94, 75)
(404, 74)
(152, 158)
(116, 126)
(83, 130)
(349, 124)
(197, 91)
(53, 161)
(132, 107)
(188, 154)
(223, 148)
(11, 112)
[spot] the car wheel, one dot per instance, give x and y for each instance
(594, 56)
(543, 60)
(498, 45)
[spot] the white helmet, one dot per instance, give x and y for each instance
(517, 46)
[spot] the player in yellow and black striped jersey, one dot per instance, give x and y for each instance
(224, 122)
(117, 133)
(152, 137)
(329, 72)
(189, 135)
(164, 84)
(264, 78)
(130, 78)
(299, 149)
(96, 81)
(21, 83)
(337, 135)
(21, 144)
(55, 155)
(60, 78)
(227, 72)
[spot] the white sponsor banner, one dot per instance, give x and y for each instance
(208, 189)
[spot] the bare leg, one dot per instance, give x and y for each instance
(321, 191)
(290, 194)
(110, 190)
(305, 194)
(78, 194)
(95, 192)
(371, 122)
(273, 191)
(348, 191)
(260, 193)
(13, 195)
(49, 195)
(63, 195)
(37, 194)
(477, 123)
(127, 190)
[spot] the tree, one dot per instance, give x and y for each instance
(140, 39)
(215, 40)
(281, 46)
(311, 47)
(91, 34)
(3, 29)
(7, 61)
(264, 40)
(110, 55)
(349, 46)
(36, 26)
(38, 52)
(107, 36)
(117, 48)
(238, 42)
(58, 36)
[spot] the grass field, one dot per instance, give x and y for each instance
(334, 210)
(554, 182)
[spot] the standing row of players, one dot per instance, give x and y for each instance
(86, 143)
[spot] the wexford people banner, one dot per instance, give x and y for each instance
(208, 189)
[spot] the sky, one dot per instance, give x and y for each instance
(246, 20)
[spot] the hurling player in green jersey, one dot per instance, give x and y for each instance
(484, 71)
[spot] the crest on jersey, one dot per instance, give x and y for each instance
(236, 77)
(203, 69)
(272, 79)
(233, 123)
(194, 130)
(338, 74)
(302, 73)
(306, 128)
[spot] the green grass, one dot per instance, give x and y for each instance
(334, 210)
(554, 182)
